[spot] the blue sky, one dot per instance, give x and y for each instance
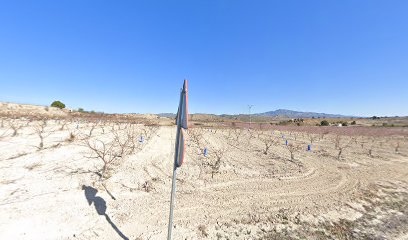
(347, 57)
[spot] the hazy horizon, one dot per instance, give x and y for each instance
(210, 113)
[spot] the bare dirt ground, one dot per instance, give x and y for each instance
(77, 179)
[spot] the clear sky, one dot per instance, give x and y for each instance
(347, 57)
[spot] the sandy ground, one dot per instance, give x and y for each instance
(236, 192)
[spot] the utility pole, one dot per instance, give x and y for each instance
(250, 120)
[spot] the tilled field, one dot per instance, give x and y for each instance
(251, 185)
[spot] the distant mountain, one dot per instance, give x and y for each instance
(297, 114)
(285, 113)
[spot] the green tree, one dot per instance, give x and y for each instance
(58, 104)
(324, 123)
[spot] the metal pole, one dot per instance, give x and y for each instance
(173, 194)
(182, 122)
(173, 183)
(250, 120)
(173, 187)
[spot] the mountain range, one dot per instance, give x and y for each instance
(298, 114)
(278, 113)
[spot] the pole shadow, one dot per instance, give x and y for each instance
(100, 207)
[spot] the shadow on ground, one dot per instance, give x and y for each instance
(100, 206)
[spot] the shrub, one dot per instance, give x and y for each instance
(353, 123)
(203, 230)
(283, 123)
(81, 110)
(344, 124)
(71, 137)
(324, 123)
(58, 104)
(388, 125)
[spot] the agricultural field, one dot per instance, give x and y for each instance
(82, 178)
(190, 120)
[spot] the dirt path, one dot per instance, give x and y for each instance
(42, 193)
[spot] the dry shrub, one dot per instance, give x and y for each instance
(293, 148)
(312, 138)
(342, 143)
(15, 126)
(112, 149)
(196, 137)
(147, 186)
(397, 146)
(109, 151)
(214, 160)
(203, 230)
(71, 137)
(64, 123)
(234, 134)
(268, 141)
(40, 130)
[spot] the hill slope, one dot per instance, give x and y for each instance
(297, 114)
